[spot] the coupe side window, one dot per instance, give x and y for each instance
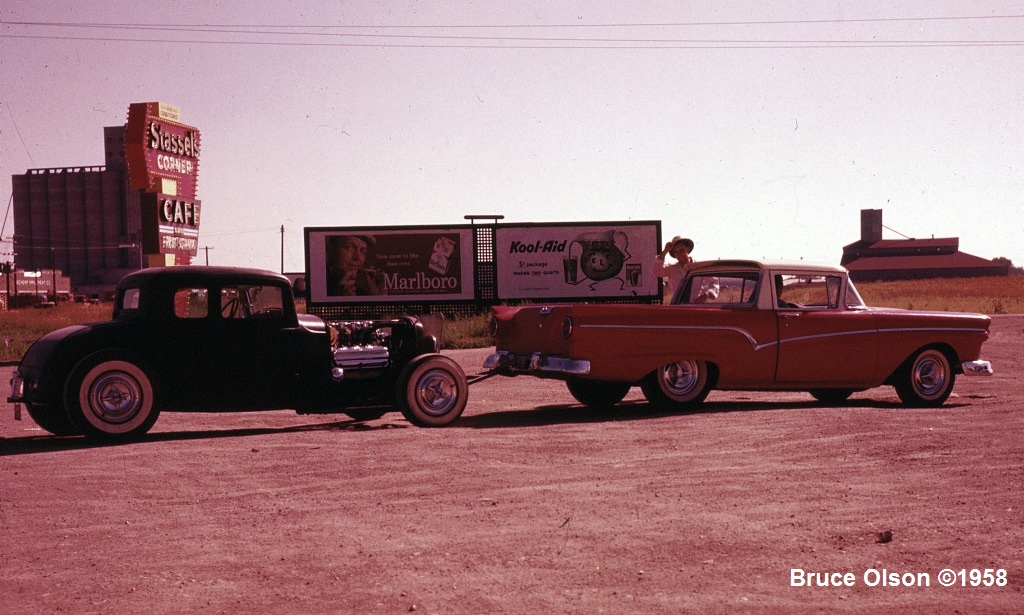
(244, 301)
(267, 302)
(130, 301)
(191, 303)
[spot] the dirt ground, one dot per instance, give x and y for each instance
(530, 504)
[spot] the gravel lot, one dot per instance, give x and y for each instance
(530, 504)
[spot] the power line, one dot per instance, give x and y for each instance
(262, 230)
(694, 45)
(523, 25)
(517, 42)
(872, 41)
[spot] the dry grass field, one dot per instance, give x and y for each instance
(983, 295)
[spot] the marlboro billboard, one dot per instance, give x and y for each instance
(360, 264)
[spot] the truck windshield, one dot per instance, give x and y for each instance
(852, 296)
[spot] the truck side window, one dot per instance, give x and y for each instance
(808, 291)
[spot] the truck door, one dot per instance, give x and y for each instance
(821, 342)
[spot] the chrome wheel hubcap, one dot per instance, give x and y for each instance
(437, 392)
(929, 376)
(115, 397)
(680, 378)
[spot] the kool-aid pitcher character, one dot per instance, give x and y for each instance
(601, 255)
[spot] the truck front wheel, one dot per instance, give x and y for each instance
(432, 391)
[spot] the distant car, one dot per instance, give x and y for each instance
(221, 339)
(769, 327)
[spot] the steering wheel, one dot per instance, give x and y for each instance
(230, 309)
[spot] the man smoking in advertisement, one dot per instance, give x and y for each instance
(347, 274)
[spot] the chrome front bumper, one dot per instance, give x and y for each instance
(977, 368)
(536, 362)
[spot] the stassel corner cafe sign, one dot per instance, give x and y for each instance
(163, 163)
(170, 225)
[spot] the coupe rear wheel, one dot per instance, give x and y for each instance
(677, 386)
(432, 391)
(598, 394)
(110, 397)
(927, 381)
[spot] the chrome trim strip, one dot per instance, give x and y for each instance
(825, 335)
(880, 331)
(743, 332)
(753, 342)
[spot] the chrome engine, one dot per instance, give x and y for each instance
(361, 344)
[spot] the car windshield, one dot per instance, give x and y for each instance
(852, 296)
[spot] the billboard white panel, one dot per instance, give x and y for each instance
(362, 265)
(561, 261)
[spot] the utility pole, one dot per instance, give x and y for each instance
(207, 250)
(282, 249)
(53, 272)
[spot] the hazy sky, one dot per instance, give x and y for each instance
(760, 129)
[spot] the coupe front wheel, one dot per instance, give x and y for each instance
(54, 419)
(678, 386)
(432, 391)
(111, 398)
(927, 381)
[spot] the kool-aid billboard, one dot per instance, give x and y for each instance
(577, 261)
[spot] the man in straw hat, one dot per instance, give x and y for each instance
(679, 248)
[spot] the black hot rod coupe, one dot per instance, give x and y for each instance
(221, 339)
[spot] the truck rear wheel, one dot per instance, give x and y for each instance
(432, 391)
(678, 386)
(596, 393)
